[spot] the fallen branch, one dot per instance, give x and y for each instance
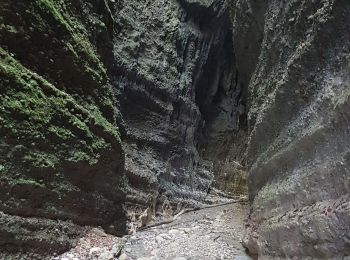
(217, 238)
(183, 211)
(222, 204)
(220, 193)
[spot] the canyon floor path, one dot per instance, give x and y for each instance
(207, 234)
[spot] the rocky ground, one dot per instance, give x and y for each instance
(212, 233)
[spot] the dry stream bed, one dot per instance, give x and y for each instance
(211, 233)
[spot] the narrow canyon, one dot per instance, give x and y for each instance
(231, 118)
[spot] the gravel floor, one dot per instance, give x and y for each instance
(213, 233)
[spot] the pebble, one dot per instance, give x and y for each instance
(242, 257)
(180, 258)
(159, 239)
(186, 230)
(123, 257)
(116, 249)
(94, 250)
(155, 252)
(166, 237)
(99, 232)
(105, 256)
(174, 232)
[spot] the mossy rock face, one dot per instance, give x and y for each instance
(60, 150)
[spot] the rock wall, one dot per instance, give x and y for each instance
(179, 95)
(61, 157)
(298, 145)
(72, 72)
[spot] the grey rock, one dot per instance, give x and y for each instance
(175, 114)
(123, 257)
(94, 251)
(298, 114)
(242, 257)
(159, 239)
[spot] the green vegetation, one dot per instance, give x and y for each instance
(57, 122)
(41, 159)
(35, 113)
(78, 45)
(60, 132)
(43, 127)
(27, 182)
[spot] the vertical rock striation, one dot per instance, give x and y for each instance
(298, 148)
(177, 87)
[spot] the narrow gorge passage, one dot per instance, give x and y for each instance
(209, 234)
(116, 114)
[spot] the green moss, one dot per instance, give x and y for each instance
(60, 132)
(78, 123)
(28, 182)
(78, 44)
(33, 111)
(101, 121)
(80, 156)
(50, 7)
(8, 28)
(41, 159)
(57, 123)
(100, 145)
